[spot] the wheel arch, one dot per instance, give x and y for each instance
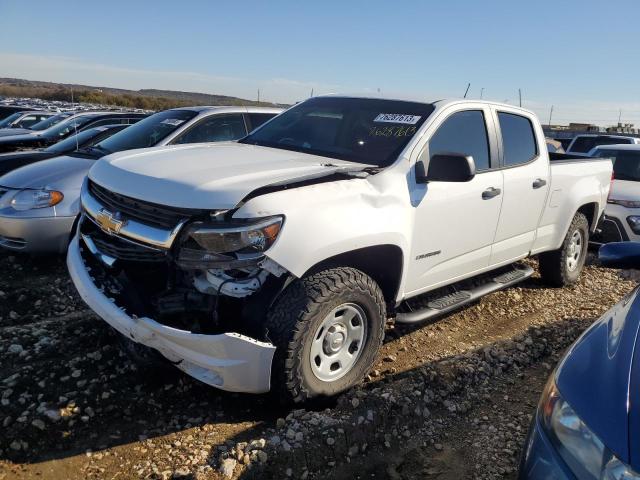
(383, 263)
(590, 210)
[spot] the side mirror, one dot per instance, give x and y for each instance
(446, 167)
(620, 255)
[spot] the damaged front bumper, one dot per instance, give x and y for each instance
(228, 361)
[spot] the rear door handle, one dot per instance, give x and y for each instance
(539, 183)
(490, 193)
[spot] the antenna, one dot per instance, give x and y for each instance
(75, 128)
(481, 92)
(520, 96)
(467, 90)
(619, 115)
(550, 115)
(311, 93)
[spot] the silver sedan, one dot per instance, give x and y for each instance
(39, 203)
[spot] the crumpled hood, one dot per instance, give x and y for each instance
(596, 373)
(4, 132)
(625, 190)
(57, 172)
(206, 176)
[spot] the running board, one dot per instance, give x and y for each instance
(452, 301)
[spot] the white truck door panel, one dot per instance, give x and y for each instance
(454, 231)
(526, 186)
(454, 225)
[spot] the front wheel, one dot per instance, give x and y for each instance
(562, 267)
(327, 329)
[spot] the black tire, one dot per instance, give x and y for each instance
(297, 315)
(554, 266)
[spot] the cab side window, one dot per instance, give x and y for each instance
(218, 128)
(518, 139)
(465, 133)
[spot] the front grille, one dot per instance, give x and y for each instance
(145, 212)
(119, 248)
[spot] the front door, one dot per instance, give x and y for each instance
(455, 223)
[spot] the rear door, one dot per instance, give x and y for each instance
(455, 223)
(525, 167)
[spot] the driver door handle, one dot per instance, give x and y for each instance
(539, 183)
(490, 193)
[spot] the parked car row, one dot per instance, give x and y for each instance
(245, 249)
(40, 202)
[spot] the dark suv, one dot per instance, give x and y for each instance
(38, 136)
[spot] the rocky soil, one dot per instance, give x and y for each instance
(451, 399)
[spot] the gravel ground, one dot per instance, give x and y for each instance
(451, 399)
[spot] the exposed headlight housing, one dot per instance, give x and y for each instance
(634, 223)
(30, 199)
(580, 448)
(625, 203)
(210, 245)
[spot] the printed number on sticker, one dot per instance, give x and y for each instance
(397, 118)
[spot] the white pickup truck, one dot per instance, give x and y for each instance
(274, 263)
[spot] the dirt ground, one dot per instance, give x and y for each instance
(450, 399)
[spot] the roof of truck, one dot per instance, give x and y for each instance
(437, 103)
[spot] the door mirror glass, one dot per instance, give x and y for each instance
(446, 167)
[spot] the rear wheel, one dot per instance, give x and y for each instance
(327, 329)
(562, 267)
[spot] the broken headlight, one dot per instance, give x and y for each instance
(210, 245)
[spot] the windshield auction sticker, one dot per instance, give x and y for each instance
(397, 118)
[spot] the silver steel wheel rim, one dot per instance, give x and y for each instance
(574, 251)
(338, 341)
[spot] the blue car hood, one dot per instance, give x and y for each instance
(596, 377)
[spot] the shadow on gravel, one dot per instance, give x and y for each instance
(394, 427)
(67, 388)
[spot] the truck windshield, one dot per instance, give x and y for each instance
(626, 163)
(147, 132)
(362, 130)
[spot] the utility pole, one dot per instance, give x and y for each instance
(550, 115)
(72, 95)
(620, 116)
(520, 96)
(258, 95)
(467, 90)
(481, 92)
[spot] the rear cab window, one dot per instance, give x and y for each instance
(518, 139)
(626, 163)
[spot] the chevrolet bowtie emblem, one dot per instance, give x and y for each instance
(109, 222)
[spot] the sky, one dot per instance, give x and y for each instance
(580, 56)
